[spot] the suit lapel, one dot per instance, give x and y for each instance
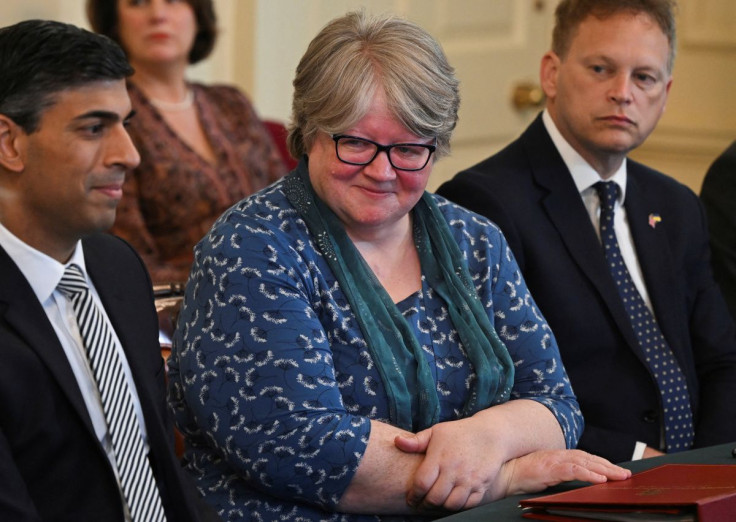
(122, 311)
(27, 318)
(653, 252)
(566, 211)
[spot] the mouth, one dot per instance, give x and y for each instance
(112, 190)
(375, 192)
(158, 36)
(619, 120)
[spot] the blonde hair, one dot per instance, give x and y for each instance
(356, 54)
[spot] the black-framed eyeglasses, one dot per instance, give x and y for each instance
(402, 156)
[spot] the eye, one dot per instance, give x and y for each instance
(354, 144)
(95, 129)
(410, 151)
(644, 78)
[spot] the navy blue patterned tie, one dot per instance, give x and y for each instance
(675, 398)
(136, 476)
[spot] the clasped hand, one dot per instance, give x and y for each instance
(466, 466)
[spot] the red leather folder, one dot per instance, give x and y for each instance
(702, 492)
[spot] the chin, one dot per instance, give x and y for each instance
(619, 146)
(102, 225)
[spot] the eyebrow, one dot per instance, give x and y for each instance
(610, 60)
(108, 116)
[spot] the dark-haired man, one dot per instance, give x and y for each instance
(615, 253)
(84, 433)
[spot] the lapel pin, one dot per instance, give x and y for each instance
(654, 219)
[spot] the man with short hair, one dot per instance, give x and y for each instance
(614, 253)
(84, 433)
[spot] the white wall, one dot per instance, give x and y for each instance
(72, 11)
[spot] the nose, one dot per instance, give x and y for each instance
(620, 91)
(156, 8)
(380, 168)
(121, 151)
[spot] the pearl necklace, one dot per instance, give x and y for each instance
(174, 106)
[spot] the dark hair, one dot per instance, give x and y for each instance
(570, 13)
(103, 17)
(39, 58)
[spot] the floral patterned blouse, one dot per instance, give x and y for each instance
(172, 198)
(270, 378)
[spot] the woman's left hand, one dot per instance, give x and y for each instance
(542, 469)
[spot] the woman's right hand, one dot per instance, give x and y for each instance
(541, 469)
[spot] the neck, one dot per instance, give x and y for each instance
(394, 260)
(167, 84)
(387, 239)
(605, 166)
(58, 248)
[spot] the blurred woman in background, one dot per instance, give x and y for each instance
(202, 147)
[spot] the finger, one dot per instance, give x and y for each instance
(424, 479)
(457, 498)
(593, 472)
(415, 442)
(439, 493)
(475, 499)
(603, 467)
(610, 471)
(587, 475)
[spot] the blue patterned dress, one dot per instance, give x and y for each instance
(270, 377)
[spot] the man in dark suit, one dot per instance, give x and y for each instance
(65, 441)
(718, 195)
(606, 79)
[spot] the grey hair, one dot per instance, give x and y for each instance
(356, 54)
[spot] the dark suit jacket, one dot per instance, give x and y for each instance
(719, 199)
(51, 465)
(528, 191)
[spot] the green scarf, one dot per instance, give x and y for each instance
(395, 350)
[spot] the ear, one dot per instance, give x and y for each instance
(666, 94)
(548, 74)
(10, 136)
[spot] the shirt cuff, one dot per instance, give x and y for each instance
(639, 450)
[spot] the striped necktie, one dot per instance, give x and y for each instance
(136, 477)
(675, 398)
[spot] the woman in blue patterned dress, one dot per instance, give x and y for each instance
(351, 346)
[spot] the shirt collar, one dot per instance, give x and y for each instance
(582, 173)
(42, 272)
